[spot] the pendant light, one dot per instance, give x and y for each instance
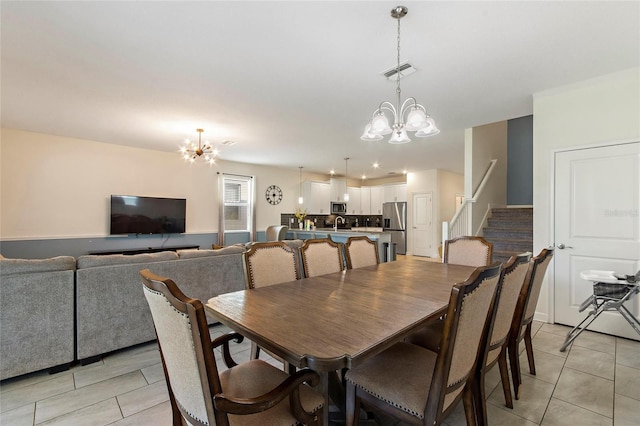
(417, 119)
(300, 199)
(346, 191)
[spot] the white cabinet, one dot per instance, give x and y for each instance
(365, 199)
(338, 189)
(354, 203)
(317, 197)
(396, 192)
(376, 200)
(371, 199)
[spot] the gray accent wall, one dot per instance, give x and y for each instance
(520, 161)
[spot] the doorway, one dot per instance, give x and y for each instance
(423, 235)
(596, 227)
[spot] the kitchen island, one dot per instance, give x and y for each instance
(341, 235)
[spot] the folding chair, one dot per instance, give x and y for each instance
(610, 292)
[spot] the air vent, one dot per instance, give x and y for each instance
(406, 69)
(228, 143)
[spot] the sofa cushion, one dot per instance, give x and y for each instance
(193, 253)
(30, 266)
(92, 261)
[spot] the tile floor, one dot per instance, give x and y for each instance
(596, 382)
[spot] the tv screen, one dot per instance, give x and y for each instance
(147, 215)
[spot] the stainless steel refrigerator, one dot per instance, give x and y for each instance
(394, 221)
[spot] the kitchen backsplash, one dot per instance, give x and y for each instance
(327, 221)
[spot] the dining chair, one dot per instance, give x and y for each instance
(419, 386)
(360, 251)
(471, 251)
(321, 256)
(512, 280)
(267, 264)
(245, 394)
(276, 232)
(271, 263)
(523, 316)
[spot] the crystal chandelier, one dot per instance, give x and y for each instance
(190, 151)
(417, 119)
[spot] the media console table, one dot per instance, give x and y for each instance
(143, 250)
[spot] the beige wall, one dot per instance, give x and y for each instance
(483, 144)
(59, 187)
(588, 113)
(443, 186)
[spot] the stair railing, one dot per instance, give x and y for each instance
(462, 222)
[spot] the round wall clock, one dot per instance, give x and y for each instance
(273, 194)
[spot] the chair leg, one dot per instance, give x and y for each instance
(529, 346)
(467, 402)
(504, 377)
(515, 366)
(255, 351)
(479, 398)
(352, 409)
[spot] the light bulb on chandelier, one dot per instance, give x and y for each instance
(190, 151)
(417, 119)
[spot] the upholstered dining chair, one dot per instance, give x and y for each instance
(276, 232)
(271, 263)
(267, 264)
(360, 251)
(512, 280)
(420, 386)
(321, 256)
(471, 251)
(245, 394)
(523, 317)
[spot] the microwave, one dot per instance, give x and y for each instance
(338, 208)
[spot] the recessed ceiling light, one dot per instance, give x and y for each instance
(332, 172)
(404, 172)
(364, 177)
(376, 165)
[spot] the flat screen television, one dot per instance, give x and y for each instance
(147, 215)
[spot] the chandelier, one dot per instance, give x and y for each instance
(417, 119)
(190, 151)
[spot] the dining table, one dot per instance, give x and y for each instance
(336, 321)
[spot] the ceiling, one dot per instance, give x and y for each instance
(294, 83)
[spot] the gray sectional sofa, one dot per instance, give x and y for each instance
(57, 311)
(36, 314)
(111, 311)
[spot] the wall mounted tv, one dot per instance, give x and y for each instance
(147, 215)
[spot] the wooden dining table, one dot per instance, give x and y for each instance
(338, 320)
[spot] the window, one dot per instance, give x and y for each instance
(237, 198)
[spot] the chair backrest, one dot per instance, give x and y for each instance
(360, 251)
(271, 263)
(321, 256)
(471, 251)
(467, 323)
(513, 276)
(185, 349)
(528, 300)
(276, 232)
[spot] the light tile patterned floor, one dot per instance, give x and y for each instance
(596, 382)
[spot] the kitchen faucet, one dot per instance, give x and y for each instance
(335, 226)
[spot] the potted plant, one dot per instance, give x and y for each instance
(300, 215)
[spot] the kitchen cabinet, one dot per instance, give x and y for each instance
(354, 203)
(317, 197)
(365, 200)
(371, 199)
(337, 189)
(396, 192)
(376, 200)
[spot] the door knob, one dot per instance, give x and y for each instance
(562, 246)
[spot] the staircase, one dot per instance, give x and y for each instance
(511, 232)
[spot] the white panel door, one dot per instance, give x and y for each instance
(597, 226)
(422, 225)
